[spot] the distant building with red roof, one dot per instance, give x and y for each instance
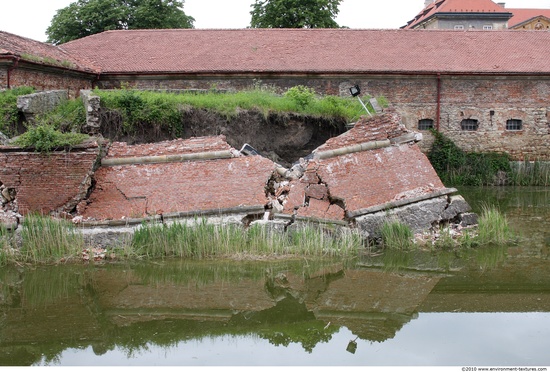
(477, 14)
(529, 19)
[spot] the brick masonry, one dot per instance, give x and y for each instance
(48, 182)
(343, 184)
(43, 80)
(139, 190)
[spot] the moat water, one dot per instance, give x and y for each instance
(479, 307)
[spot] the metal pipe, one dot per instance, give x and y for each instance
(13, 67)
(213, 155)
(438, 114)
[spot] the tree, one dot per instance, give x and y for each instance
(87, 17)
(294, 13)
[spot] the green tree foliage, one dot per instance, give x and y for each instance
(87, 17)
(294, 13)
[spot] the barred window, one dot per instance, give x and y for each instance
(469, 125)
(425, 124)
(514, 124)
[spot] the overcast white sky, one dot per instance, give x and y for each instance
(30, 18)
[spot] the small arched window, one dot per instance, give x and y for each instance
(514, 124)
(425, 124)
(470, 125)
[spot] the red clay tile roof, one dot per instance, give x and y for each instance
(523, 15)
(455, 6)
(332, 51)
(35, 51)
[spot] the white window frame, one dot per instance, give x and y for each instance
(487, 27)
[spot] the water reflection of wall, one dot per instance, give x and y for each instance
(43, 312)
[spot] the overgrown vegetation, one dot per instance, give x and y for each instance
(45, 138)
(202, 239)
(9, 114)
(164, 110)
(457, 167)
(493, 229)
(68, 116)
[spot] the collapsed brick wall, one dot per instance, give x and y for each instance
(140, 190)
(339, 186)
(45, 183)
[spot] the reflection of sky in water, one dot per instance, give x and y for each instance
(475, 339)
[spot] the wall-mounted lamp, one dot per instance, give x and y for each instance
(355, 91)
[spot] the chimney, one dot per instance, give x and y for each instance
(428, 2)
(502, 5)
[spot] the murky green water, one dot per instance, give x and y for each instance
(490, 306)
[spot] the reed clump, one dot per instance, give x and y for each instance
(202, 239)
(45, 239)
(530, 173)
(396, 236)
(493, 227)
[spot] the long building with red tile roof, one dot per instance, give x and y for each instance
(313, 51)
(487, 90)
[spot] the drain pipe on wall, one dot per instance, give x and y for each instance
(438, 114)
(13, 67)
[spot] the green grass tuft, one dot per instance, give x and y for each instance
(49, 240)
(397, 236)
(493, 227)
(9, 113)
(202, 239)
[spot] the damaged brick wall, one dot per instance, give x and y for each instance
(339, 186)
(140, 189)
(45, 183)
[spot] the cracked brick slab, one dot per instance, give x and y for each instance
(139, 190)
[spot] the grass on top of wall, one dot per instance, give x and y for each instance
(139, 107)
